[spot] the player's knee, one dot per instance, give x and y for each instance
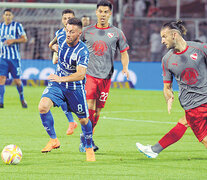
(18, 82)
(83, 121)
(43, 108)
(183, 121)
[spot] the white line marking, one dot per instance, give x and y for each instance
(136, 120)
(139, 111)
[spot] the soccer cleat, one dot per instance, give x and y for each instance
(95, 148)
(1, 105)
(24, 104)
(52, 144)
(90, 155)
(72, 126)
(146, 150)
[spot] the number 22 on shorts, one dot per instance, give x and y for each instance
(103, 96)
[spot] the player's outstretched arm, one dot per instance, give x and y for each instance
(22, 39)
(55, 58)
(168, 94)
(77, 76)
(125, 63)
(53, 42)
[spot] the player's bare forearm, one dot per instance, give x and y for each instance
(55, 58)
(22, 39)
(168, 94)
(77, 76)
(167, 91)
(55, 48)
(54, 41)
(125, 63)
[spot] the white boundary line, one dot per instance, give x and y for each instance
(139, 111)
(137, 120)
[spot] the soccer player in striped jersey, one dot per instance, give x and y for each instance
(66, 15)
(102, 40)
(187, 62)
(68, 85)
(11, 35)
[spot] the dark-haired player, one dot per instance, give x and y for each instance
(86, 20)
(102, 40)
(187, 62)
(11, 35)
(68, 85)
(66, 15)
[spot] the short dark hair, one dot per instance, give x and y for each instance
(178, 25)
(104, 3)
(75, 21)
(9, 10)
(85, 16)
(68, 11)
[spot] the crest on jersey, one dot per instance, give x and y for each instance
(194, 56)
(99, 48)
(85, 52)
(189, 76)
(74, 56)
(110, 35)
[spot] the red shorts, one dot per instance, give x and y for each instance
(97, 89)
(197, 119)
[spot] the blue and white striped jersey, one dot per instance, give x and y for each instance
(12, 31)
(69, 58)
(60, 31)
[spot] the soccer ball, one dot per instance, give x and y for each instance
(11, 154)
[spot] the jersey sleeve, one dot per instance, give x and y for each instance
(166, 74)
(56, 33)
(20, 30)
(122, 42)
(203, 48)
(60, 39)
(83, 58)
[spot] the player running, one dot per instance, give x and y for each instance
(102, 40)
(11, 35)
(68, 85)
(187, 62)
(66, 15)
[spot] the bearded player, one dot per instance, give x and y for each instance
(187, 62)
(66, 15)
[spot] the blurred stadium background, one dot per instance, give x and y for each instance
(140, 20)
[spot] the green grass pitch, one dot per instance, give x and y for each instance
(130, 116)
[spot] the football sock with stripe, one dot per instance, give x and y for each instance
(20, 91)
(172, 136)
(67, 113)
(2, 91)
(48, 123)
(87, 131)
